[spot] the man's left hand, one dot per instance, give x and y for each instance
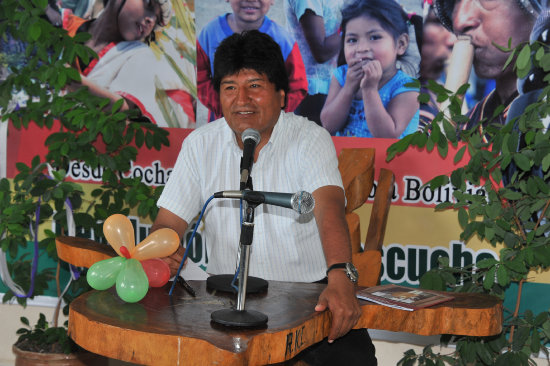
(339, 297)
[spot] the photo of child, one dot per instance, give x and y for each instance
(368, 95)
(245, 15)
(148, 74)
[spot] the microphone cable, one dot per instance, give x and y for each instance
(193, 237)
(189, 244)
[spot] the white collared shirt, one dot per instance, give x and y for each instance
(299, 156)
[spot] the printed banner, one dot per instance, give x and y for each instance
(416, 235)
(167, 76)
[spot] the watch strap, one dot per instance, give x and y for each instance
(335, 266)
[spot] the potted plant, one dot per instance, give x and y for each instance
(18, 211)
(514, 169)
(82, 127)
(42, 344)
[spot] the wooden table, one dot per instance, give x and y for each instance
(176, 330)
(164, 330)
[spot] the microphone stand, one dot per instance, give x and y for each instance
(240, 317)
(223, 282)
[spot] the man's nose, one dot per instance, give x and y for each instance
(466, 16)
(242, 96)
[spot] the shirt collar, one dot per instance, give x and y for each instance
(278, 130)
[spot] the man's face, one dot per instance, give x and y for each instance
(488, 22)
(249, 100)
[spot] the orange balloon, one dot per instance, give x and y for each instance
(160, 243)
(118, 231)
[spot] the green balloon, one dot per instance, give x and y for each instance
(103, 274)
(132, 283)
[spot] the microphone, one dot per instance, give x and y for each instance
(301, 202)
(250, 138)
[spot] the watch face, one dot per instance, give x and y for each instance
(351, 272)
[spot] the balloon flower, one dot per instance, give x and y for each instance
(138, 266)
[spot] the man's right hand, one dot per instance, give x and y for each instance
(167, 219)
(174, 260)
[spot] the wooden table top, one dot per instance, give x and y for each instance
(164, 330)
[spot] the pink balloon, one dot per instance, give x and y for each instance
(157, 271)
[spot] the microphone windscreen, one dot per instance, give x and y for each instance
(302, 202)
(251, 133)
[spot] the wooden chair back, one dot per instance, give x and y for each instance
(356, 166)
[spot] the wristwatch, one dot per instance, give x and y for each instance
(349, 268)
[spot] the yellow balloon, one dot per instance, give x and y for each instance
(160, 243)
(118, 231)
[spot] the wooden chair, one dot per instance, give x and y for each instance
(357, 169)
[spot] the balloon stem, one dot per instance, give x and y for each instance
(125, 252)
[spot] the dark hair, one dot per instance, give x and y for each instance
(252, 50)
(388, 13)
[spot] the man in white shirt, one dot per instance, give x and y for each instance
(293, 154)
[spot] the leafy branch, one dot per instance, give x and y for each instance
(83, 128)
(511, 163)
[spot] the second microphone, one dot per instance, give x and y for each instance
(301, 202)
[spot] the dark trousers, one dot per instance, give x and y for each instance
(353, 349)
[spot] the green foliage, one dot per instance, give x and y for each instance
(83, 128)
(43, 338)
(427, 358)
(513, 167)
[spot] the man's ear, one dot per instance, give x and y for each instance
(282, 95)
(402, 44)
